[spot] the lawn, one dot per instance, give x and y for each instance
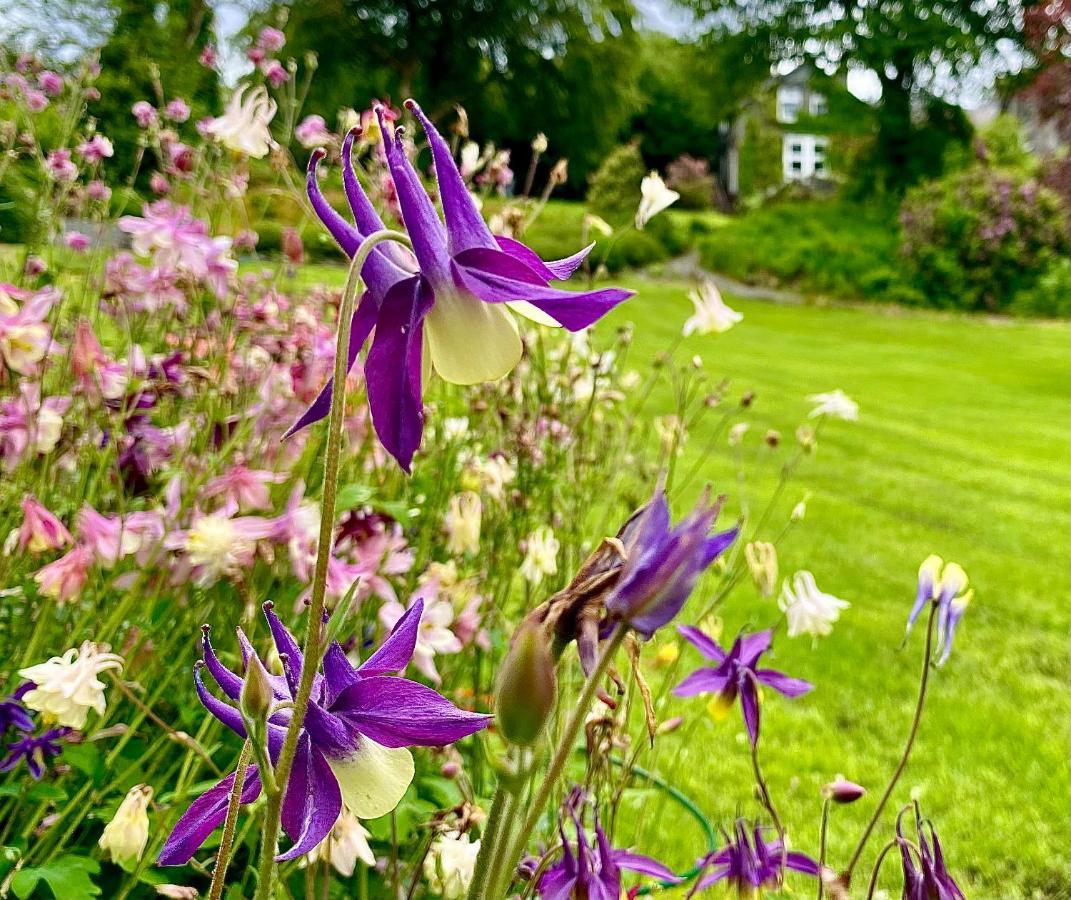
(961, 450)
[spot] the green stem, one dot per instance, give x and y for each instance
(822, 847)
(487, 840)
(561, 754)
(915, 722)
(877, 869)
(223, 855)
(315, 637)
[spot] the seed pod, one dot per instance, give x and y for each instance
(526, 686)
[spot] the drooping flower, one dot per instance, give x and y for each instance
(809, 610)
(218, 545)
(751, 864)
(736, 675)
(13, 714)
(762, 563)
(946, 585)
(654, 197)
(41, 530)
(347, 843)
(446, 304)
(835, 405)
(450, 865)
(66, 687)
(125, 836)
(662, 562)
(243, 127)
(587, 872)
(352, 748)
(113, 538)
(930, 880)
(36, 750)
(246, 488)
(462, 523)
(63, 579)
(540, 556)
(712, 315)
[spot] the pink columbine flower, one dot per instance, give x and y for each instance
(208, 56)
(159, 185)
(60, 167)
(204, 126)
(313, 132)
(256, 55)
(246, 488)
(29, 424)
(98, 190)
(97, 148)
(433, 636)
(36, 101)
(25, 337)
(109, 537)
(271, 39)
(64, 579)
(218, 546)
(34, 266)
(41, 530)
(182, 157)
(178, 110)
(51, 83)
(77, 241)
(144, 113)
(275, 72)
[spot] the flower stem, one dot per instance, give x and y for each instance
(561, 756)
(915, 722)
(487, 841)
(315, 636)
(223, 855)
(877, 868)
(822, 847)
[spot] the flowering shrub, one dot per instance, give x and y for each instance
(440, 589)
(975, 239)
(692, 179)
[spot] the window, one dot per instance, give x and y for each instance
(819, 105)
(789, 102)
(804, 156)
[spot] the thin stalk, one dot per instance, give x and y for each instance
(822, 847)
(487, 839)
(915, 722)
(500, 844)
(877, 869)
(315, 636)
(223, 855)
(561, 754)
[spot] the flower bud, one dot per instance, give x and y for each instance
(526, 687)
(840, 790)
(256, 696)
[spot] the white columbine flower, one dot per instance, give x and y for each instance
(712, 315)
(809, 610)
(125, 836)
(762, 561)
(654, 197)
(463, 523)
(540, 143)
(450, 864)
(347, 843)
(243, 127)
(836, 405)
(66, 687)
(593, 222)
(541, 557)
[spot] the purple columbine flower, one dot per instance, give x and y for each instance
(352, 747)
(662, 564)
(443, 307)
(736, 675)
(13, 714)
(590, 872)
(36, 750)
(932, 881)
(750, 863)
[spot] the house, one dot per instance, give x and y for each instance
(801, 127)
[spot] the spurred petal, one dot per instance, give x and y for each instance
(464, 224)
(636, 862)
(228, 681)
(364, 213)
(373, 779)
(284, 640)
(800, 862)
(790, 687)
(397, 648)
(205, 814)
(312, 803)
(347, 237)
(225, 713)
(392, 370)
(361, 325)
(552, 270)
(704, 644)
(396, 712)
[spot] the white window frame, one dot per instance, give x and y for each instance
(818, 105)
(790, 101)
(804, 156)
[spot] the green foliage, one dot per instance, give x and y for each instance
(1005, 145)
(614, 191)
(980, 238)
(829, 247)
(67, 877)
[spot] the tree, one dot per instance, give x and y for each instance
(912, 46)
(519, 67)
(1047, 33)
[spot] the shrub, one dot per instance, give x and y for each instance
(978, 238)
(690, 177)
(614, 191)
